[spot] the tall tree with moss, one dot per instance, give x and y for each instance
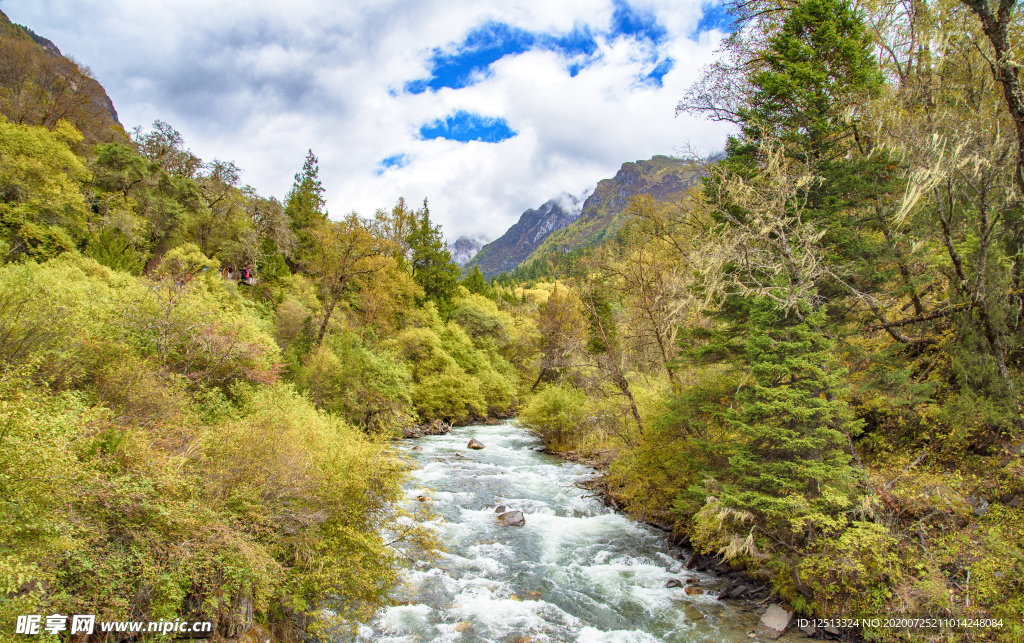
(788, 196)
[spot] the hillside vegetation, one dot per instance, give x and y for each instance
(39, 86)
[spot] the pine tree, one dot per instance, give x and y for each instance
(432, 266)
(815, 70)
(304, 205)
(819, 63)
(791, 472)
(475, 282)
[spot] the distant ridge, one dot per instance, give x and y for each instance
(562, 225)
(534, 226)
(465, 248)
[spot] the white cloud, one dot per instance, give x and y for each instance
(259, 82)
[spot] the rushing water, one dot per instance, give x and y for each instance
(575, 572)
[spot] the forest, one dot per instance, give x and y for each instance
(810, 366)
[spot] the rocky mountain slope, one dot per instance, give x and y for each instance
(41, 86)
(561, 225)
(523, 238)
(604, 211)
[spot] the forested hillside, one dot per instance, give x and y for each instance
(39, 86)
(812, 364)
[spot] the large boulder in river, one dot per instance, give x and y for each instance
(774, 622)
(475, 444)
(512, 519)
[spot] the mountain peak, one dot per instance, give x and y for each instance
(566, 221)
(533, 228)
(465, 248)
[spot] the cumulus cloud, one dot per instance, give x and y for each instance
(486, 108)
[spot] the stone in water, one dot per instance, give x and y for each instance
(512, 519)
(775, 622)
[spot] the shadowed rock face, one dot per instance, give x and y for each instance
(534, 226)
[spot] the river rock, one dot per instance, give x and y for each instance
(693, 590)
(738, 591)
(673, 582)
(475, 444)
(500, 509)
(979, 504)
(775, 621)
(512, 519)
(809, 630)
(692, 613)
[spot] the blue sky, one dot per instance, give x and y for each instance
(486, 108)
(463, 126)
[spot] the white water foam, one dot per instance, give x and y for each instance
(576, 572)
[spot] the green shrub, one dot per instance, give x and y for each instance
(448, 395)
(555, 415)
(369, 389)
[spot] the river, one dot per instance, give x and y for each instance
(577, 571)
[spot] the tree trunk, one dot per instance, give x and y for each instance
(323, 324)
(617, 376)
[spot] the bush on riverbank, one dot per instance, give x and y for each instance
(556, 415)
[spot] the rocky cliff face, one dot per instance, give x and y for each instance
(465, 248)
(523, 238)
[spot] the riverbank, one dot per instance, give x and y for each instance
(739, 587)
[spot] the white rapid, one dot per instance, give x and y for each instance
(576, 571)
